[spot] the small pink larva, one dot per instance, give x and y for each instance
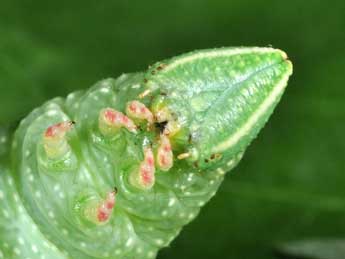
(138, 110)
(105, 209)
(111, 120)
(54, 139)
(144, 178)
(164, 154)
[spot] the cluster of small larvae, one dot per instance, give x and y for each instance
(110, 121)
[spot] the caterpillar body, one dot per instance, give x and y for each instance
(116, 171)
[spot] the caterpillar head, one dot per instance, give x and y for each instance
(146, 151)
(213, 103)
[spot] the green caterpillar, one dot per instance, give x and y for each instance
(118, 170)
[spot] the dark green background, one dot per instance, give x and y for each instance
(290, 184)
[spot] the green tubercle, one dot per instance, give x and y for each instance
(163, 139)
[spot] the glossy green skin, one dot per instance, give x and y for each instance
(220, 97)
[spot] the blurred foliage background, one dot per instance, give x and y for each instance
(290, 184)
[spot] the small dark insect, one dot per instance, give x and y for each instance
(161, 125)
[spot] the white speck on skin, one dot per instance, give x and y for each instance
(150, 254)
(136, 86)
(230, 163)
(1, 195)
(159, 242)
(34, 249)
(164, 213)
(150, 228)
(104, 90)
(61, 195)
(38, 194)
(220, 171)
(3, 139)
(129, 242)
(129, 227)
(56, 187)
(191, 215)
(34, 228)
(16, 251)
(212, 182)
(21, 241)
(65, 232)
(82, 244)
(201, 203)
(171, 202)
(31, 178)
(6, 215)
(139, 250)
(27, 153)
(10, 181)
(117, 251)
(51, 214)
(52, 113)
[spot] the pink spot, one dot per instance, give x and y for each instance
(110, 205)
(110, 202)
(59, 128)
(110, 115)
(146, 176)
(150, 161)
(167, 148)
(50, 132)
(125, 119)
(142, 109)
(132, 107)
(163, 160)
(102, 215)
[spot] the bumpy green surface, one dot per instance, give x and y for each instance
(221, 98)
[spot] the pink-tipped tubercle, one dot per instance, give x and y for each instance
(138, 110)
(105, 209)
(111, 119)
(164, 154)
